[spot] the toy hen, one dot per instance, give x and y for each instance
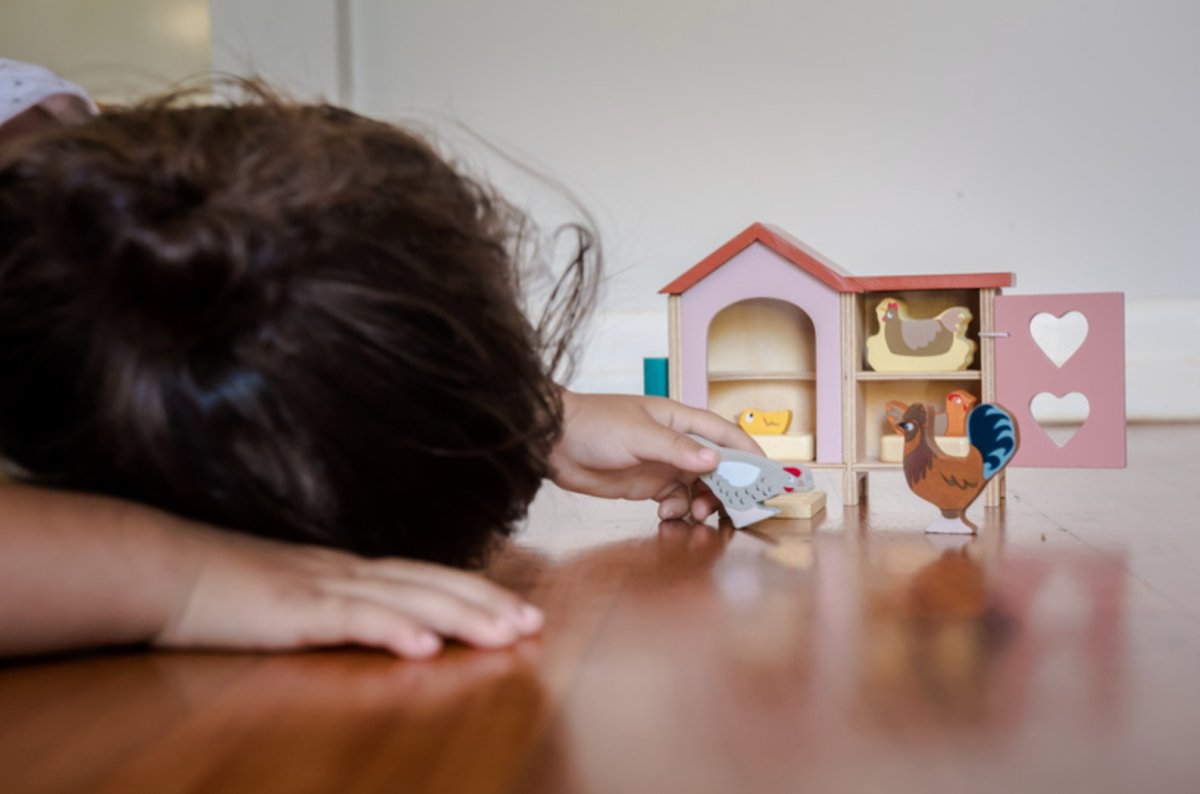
(907, 344)
(949, 482)
(743, 482)
(958, 407)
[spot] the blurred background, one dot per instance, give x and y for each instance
(1052, 138)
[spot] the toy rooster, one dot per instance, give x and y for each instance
(907, 344)
(952, 422)
(743, 482)
(949, 482)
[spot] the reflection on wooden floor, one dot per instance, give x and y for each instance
(1057, 651)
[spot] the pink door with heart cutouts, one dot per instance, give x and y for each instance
(1061, 370)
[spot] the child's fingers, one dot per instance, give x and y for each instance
(661, 444)
(686, 419)
(704, 505)
(698, 501)
(675, 504)
(470, 587)
(437, 612)
(445, 614)
(666, 440)
(345, 620)
(703, 502)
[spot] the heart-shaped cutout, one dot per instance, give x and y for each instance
(1059, 337)
(1060, 417)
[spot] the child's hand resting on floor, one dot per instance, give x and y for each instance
(630, 447)
(130, 574)
(257, 594)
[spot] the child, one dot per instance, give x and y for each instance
(300, 324)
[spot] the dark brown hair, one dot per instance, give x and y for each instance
(284, 319)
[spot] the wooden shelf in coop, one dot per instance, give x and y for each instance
(751, 376)
(874, 464)
(965, 374)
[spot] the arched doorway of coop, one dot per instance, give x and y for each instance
(762, 358)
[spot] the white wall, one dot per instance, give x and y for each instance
(299, 45)
(1052, 138)
(116, 49)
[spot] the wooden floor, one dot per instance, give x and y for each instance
(1057, 652)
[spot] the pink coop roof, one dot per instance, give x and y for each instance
(825, 271)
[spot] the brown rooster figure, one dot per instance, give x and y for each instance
(953, 422)
(949, 482)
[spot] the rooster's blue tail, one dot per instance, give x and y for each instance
(992, 431)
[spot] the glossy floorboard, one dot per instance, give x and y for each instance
(1058, 651)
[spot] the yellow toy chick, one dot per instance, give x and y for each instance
(764, 423)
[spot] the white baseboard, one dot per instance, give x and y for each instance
(1162, 355)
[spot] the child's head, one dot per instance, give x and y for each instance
(285, 319)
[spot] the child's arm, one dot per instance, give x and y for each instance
(80, 571)
(630, 447)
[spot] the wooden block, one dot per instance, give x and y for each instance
(791, 446)
(798, 505)
(891, 449)
(655, 378)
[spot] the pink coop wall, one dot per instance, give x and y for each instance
(758, 272)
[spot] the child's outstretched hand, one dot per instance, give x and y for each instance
(79, 571)
(631, 447)
(257, 594)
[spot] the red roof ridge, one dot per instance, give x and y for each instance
(822, 269)
(778, 241)
(933, 281)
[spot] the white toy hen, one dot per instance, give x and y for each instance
(743, 482)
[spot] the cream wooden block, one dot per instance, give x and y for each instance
(790, 446)
(798, 505)
(891, 448)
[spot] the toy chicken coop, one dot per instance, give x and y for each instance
(814, 362)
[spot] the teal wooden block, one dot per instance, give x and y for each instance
(654, 377)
